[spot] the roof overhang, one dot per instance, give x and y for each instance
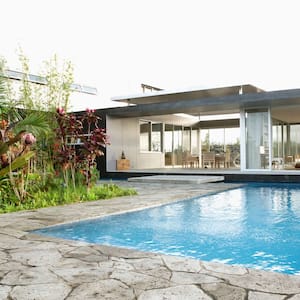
(223, 104)
(187, 94)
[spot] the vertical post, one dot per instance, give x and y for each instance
(270, 138)
(242, 140)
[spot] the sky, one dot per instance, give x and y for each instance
(115, 45)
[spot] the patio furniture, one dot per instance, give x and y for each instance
(208, 159)
(189, 160)
(227, 161)
(277, 163)
(223, 159)
(220, 160)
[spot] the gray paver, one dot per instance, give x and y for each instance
(264, 296)
(40, 292)
(41, 267)
(108, 289)
(182, 292)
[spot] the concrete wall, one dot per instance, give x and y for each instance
(125, 136)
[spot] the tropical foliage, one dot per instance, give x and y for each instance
(47, 156)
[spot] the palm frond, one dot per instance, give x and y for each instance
(36, 123)
(18, 163)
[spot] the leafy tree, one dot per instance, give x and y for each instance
(83, 160)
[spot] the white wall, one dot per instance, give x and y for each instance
(125, 136)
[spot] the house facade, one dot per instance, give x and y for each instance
(233, 128)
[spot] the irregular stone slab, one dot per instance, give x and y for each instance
(193, 278)
(29, 276)
(160, 272)
(146, 263)
(139, 281)
(122, 252)
(58, 241)
(13, 266)
(4, 291)
(153, 266)
(295, 297)
(268, 282)
(36, 257)
(224, 268)
(41, 292)
(74, 263)
(264, 296)
(13, 232)
(120, 264)
(11, 242)
(109, 289)
(182, 264)
(30, 225)
(3, 257)
(224, 291)
(2, 274)
(189, 292)
(86, 254)
(2, 261)
(78, 275)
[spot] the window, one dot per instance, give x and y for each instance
(151, 136)
(156, 135)
(145, 135)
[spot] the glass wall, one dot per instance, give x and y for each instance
(195, 141)
(285, 145)
(177, 150)
(179, 140)
(186, 142)
(295, 142)
(257, 139)
(168, 144)
(156, 137)
(222, 141)
(151, 136)
(145, 130)
(277, 140)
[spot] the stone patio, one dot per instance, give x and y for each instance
(39, 267)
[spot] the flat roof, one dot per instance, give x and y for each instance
(187, 94)
(285, 104)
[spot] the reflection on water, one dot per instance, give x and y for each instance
(256, 226)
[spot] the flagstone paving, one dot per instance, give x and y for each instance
(39, 267)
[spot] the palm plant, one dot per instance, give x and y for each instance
(17, 130)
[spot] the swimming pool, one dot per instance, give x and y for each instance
(257, 226)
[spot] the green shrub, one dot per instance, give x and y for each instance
(60, 195)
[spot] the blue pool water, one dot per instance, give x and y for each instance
(256, 226)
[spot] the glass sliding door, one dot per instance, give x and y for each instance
(278, 142)
(257, 139)
(168, 145)
(232, 146)
(195, 141)
(295, 142)
(156, 137)
(186, 142)
(177, 145)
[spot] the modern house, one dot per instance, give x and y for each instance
(238, 128)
